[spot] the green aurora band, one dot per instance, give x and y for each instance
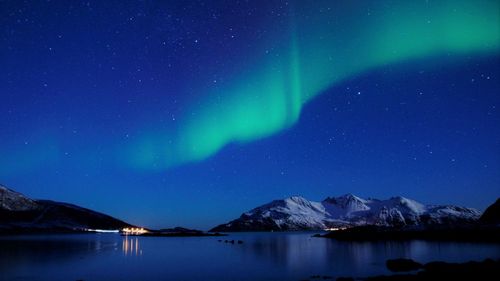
(316, 50)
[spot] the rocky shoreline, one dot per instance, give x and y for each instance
(410, 270)
(488, 234)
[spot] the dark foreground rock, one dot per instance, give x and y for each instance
(486, 270)
(373, 233)
(492, 214)
(402, 265)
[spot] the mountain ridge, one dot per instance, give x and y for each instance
(298, 213)
(19, 214)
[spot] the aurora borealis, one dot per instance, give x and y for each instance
(313, 52)
(182, 107)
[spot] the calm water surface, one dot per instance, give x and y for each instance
(262, 256)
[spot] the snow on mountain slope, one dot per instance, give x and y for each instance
(14, 201)
(298, 213)
(291, 213)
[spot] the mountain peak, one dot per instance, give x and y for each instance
(351, 196)
(297, 199)
(11, 200)
(345, 199)
(347, 203)
(410, 204)
(399, 198)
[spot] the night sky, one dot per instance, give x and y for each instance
(166, 113)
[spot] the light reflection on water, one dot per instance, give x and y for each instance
(262, 256)
(130, 246)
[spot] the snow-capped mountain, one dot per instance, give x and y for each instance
(298, 213)
(19, 213)
(14, 201)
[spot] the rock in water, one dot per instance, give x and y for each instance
(400, 265)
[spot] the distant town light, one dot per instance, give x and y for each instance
(102, 230)
(134, 230)
(336, 228)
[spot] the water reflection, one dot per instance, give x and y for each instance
(20, 253)
(131, 246)
(262, 256)
(302, 253)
